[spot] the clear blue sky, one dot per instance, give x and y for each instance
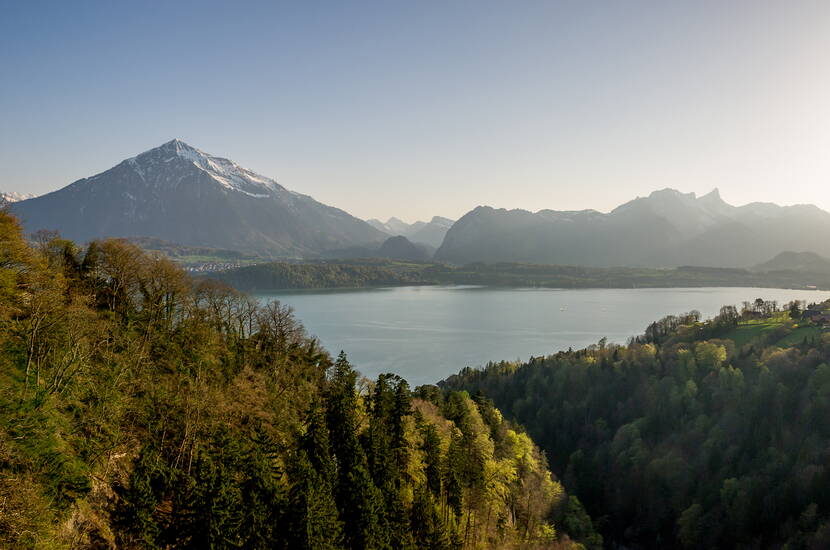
(420, 108)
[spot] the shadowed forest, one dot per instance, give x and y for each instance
(696, 434)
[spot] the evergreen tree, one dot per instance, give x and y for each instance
(358, 499)
(211, 512)
(140, 500)
(428, 530)
(263, 501)
(315, 442)
(432, 458)
(453, 468)
(313, 522)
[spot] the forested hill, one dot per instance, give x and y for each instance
(360, 273)
(696, 435)
(141, 409)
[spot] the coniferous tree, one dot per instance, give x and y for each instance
(313, 515)
(313, 522)
(211, 514)
(429, 532)
(402, 409)
(432, 452)
(214, 387)
(141, 499)
(358, 499)
(453, 468)
(263, 501)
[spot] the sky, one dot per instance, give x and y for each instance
(416, 109)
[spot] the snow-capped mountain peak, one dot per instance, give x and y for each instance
(183, 195)
(227, 173)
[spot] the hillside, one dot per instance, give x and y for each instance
(804, 262)
(665, 229)
(393, 248)
(182, 195)
(360, 273)
(320, 275)
(695, 435)
(401, 248)
(142, 409)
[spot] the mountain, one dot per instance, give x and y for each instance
(666, 229)
(180, 194)
(805, 262)
(11, 196)
(430, 233)
(393, 248)
(401, 248)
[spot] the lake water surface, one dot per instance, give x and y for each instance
(427, 333)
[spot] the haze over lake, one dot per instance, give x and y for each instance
(427, 333)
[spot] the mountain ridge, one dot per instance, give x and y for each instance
(665, 229)
(181, 194)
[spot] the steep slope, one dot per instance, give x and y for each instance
(665, 229)
(155, 411)
(180, 194)
(690, 215)
(583, 237)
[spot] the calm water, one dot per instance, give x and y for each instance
(427, 333)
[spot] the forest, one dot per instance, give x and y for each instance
(142, 409)
(360, 273)
(697, 434)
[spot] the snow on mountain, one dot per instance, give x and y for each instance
(11, 196)
(178, 193)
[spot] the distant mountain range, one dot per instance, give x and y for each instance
(184, 196)
(430, 233)
(180, 194)
(666, 229)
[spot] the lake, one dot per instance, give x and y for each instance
(426, 333)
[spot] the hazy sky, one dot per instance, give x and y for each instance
(419, 108)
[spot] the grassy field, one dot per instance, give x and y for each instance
(798, 335)
(747, 331)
